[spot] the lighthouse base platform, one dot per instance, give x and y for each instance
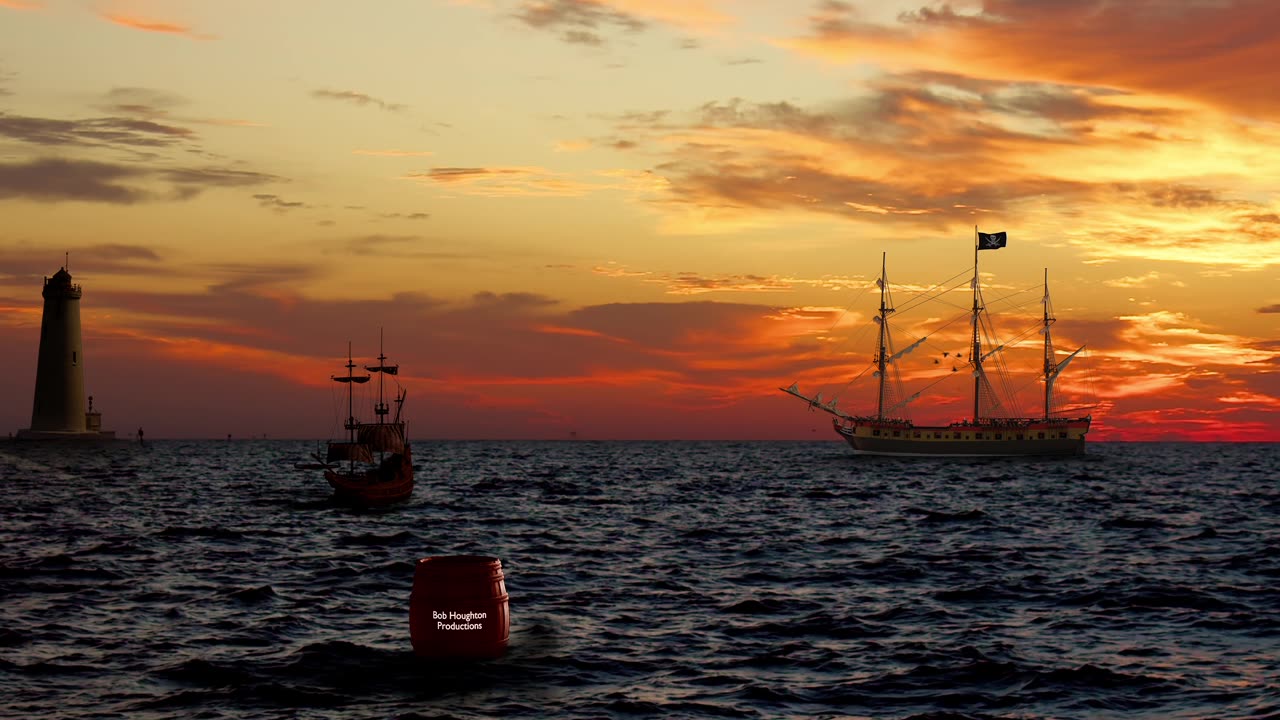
(59, 435)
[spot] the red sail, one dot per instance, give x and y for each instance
(356, 452)
(386, 437)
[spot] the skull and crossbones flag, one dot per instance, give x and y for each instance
(992, 241)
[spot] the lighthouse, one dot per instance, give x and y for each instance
(59, 412)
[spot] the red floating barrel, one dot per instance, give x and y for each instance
(458, 608)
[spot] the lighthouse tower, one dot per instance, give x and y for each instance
(59, 409)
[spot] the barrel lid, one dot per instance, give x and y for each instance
(460, 560)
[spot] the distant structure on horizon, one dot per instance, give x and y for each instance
(58, 412)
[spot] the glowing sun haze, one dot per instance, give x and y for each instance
(637, 219)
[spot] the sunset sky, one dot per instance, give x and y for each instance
(639, 218)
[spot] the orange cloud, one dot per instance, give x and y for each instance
(1249, 398)
(578, 332)
(936, 151)
(20, 5)
(1171, 338)
(155, 26)
(290, 367)
(691, 283)
(17, 315)
(585, 22)
(504, 181)
(1194, 424)
(1215, 53)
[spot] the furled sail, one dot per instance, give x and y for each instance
(907, 349)
(384, 437)
(355, 452)
(1063, 365)
(388, 369)
(352, 379)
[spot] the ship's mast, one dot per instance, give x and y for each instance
(351, 418)
(347, 450)
(977, 336)
(1050, 366)
(380, 409)
(882, 346)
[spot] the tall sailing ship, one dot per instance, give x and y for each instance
(890, 432)
(374, 465)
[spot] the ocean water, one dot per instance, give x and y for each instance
(741, 580)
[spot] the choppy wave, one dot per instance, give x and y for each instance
(752, 580)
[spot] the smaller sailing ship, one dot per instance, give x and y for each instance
(374, 465)
(985, 433)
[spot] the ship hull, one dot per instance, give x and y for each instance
(961, 440)
(388, 484)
